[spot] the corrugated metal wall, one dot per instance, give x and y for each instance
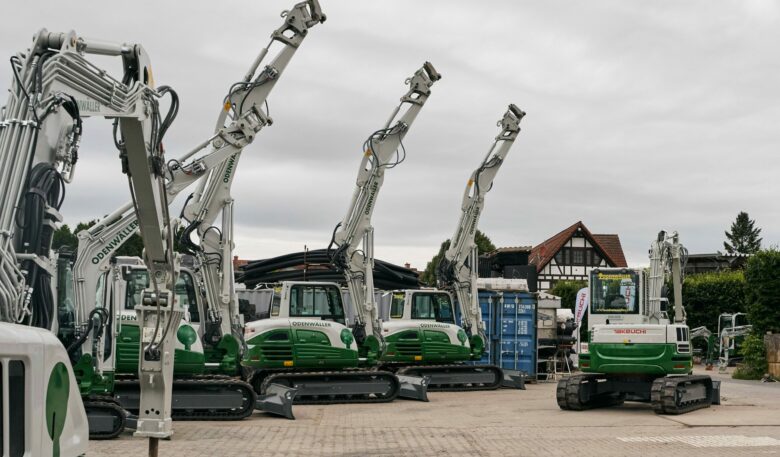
(510, 323)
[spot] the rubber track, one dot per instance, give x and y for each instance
(285, 378)
(663, 396)
(429, 370)
(567, 394)
(209, 382)
(106, 403)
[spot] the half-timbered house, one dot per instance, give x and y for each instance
(573, 253)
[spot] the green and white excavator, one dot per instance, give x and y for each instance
(307, 343)
(55, 87)
(423, 338)
(209, 342)
(636, 352)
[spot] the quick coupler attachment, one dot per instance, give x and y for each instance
(278, 400)
(513, 379)
(414, 387)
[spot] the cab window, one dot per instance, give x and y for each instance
(138, 281)
(276, 301)
(185, 295)
(397, 306)
(317, 301)
(433, 306)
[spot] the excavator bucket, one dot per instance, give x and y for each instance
(414, 387)
(278, 400)
(513, 379)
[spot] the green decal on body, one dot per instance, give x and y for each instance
(57, 404)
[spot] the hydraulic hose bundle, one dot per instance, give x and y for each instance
(45, 190)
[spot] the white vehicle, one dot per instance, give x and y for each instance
(423, 336)
(305, 344)
(54, 87)
(208, 366)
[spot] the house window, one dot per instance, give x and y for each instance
(559, 257)
(578, 256)
(596, 258)
(566, 256)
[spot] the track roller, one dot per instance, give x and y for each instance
(681, 394)
(581, 392)
(327, 387)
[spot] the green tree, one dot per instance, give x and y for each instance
(762, 276)
(63, 237)
(133, 246)
(428, 277)
(567, 290)
(743, 237)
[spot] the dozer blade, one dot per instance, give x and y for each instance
(513, 379)
(414, 387)
(278, 400)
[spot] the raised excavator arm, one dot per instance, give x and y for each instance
(56, 86)
(245, 117)
(381, 151)
(457, 270)
(667, 256)
(237, 125)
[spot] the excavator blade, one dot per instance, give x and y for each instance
(278, 400)
(414, 387)
(513, 379)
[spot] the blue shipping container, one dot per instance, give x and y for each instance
(510, 325)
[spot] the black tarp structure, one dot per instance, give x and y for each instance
(315, 266)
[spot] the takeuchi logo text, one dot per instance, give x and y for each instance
(631, 331)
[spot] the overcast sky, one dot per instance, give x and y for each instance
(641, 115)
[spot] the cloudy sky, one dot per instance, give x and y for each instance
(641, 115)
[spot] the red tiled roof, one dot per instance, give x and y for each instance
(541, 254)
(611, 246)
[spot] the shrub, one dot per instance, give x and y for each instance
(707, 295)
(754, 364)
(762, 276)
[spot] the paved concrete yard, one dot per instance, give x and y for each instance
(498, 423)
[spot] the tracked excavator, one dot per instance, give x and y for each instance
(636, 352)
(422, 335)
(209, 343)
(307, 343)
(55, 86)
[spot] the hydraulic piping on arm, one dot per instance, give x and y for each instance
(382, 150)
(457, 270)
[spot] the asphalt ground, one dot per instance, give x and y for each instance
(495, 423)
